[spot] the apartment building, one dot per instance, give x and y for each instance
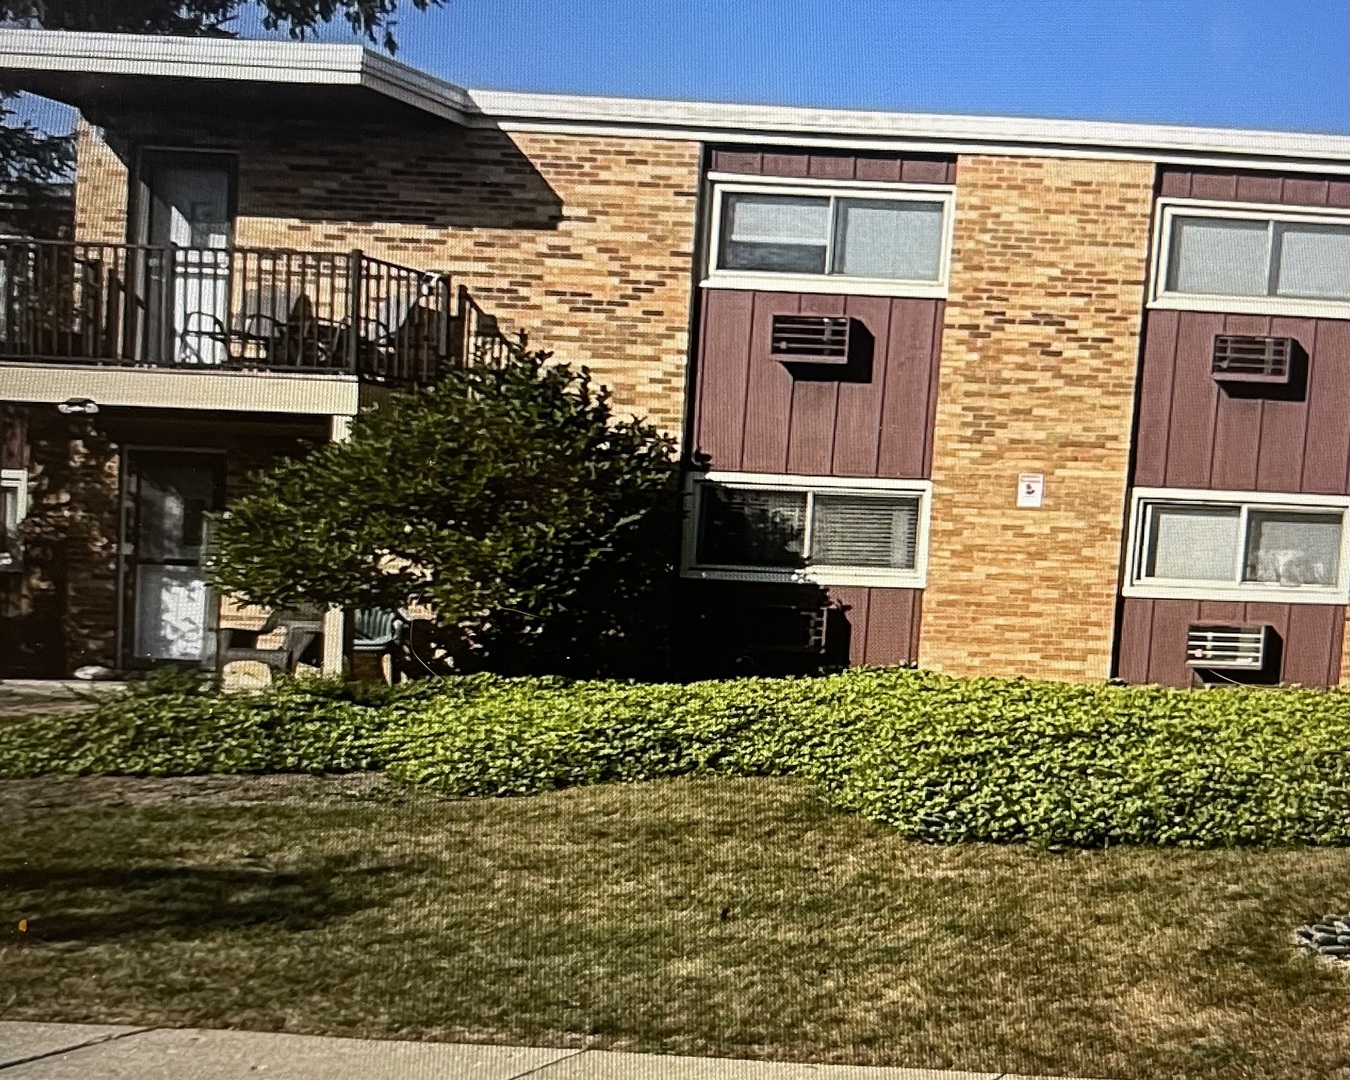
(990, 396)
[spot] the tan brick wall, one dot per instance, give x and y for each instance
(585, 242)
(1039, 353)
(100, 189)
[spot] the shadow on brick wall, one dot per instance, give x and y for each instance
(405, 169)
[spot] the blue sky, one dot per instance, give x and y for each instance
(1281, 64)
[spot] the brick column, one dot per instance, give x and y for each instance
(1040, 347)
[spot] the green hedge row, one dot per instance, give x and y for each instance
(938, 758)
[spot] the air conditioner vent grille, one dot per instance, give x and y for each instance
(1211, 646)
(816, 338)
(787, 628)
(1246, 358)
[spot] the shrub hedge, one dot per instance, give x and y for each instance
(940, 759)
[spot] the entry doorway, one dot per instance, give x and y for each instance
(187, 220)
(166, 602)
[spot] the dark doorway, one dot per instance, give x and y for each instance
(166, 603)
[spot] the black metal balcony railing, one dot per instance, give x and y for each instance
(236, 309)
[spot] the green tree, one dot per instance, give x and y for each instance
(373, 19)
(541, 530)
(32, 161)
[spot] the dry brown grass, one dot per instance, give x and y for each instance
(727, 917)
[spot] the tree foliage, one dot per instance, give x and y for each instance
(540, 530)
(373, 19)
(32, 163)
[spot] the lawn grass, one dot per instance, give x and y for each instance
(730, 917)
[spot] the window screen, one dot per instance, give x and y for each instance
(878, 238)
(1240, 257)
(1314, 261)
(874, 239)
(1293, 548)
(776, 233)
(738, 527)
(756, 528)
(1190, 543)
(854, 530)
(1219, 257)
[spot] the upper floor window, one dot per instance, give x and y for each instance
(1217, 545)
(821, 239)
(1263, 261)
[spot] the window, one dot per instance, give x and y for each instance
(13, 509)
(1260, 261)
(822, 240)
(828, 530)
(1224, 545)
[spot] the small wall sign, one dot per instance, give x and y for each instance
(1030, 489)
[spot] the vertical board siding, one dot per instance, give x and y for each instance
(753, 415)
(1226, 184)
(883, 624)
(1153, 638)
(894, 168)
(1195, 433)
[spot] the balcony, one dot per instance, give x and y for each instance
(215, 311)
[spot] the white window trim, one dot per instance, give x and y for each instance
(874, 577)
(1162, 299)
(18, 480)
(837, 284)
(1249, 592)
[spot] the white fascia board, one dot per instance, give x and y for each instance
(765, 124)
(295, 62)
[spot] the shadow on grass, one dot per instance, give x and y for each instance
(101, 904)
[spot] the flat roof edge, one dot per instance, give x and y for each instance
(760, 124)
(229, 59)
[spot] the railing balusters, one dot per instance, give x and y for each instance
(250, 308)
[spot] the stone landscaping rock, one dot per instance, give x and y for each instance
(1328, 938)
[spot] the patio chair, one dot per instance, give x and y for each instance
(377, 633)
(300, 644)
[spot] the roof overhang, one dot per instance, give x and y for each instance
(102, 73)
(98, 73)
(776, 125)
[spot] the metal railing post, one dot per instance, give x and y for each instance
(355, 300)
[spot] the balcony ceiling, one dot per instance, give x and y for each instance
(107, 75)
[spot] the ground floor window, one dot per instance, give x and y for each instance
(826, 530)
(1241, 546)
(13, 509)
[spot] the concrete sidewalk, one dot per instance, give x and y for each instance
(90, 1052)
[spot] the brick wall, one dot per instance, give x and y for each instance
(100, 189)
(1040, 348)
(585, 242)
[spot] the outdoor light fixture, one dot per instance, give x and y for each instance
(78, 405)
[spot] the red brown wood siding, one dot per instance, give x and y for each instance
(883, 624)
(794, 162)
(1194, 433)
(1153, 638)
(751, 414)
(877, 627)
(1226, 185)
